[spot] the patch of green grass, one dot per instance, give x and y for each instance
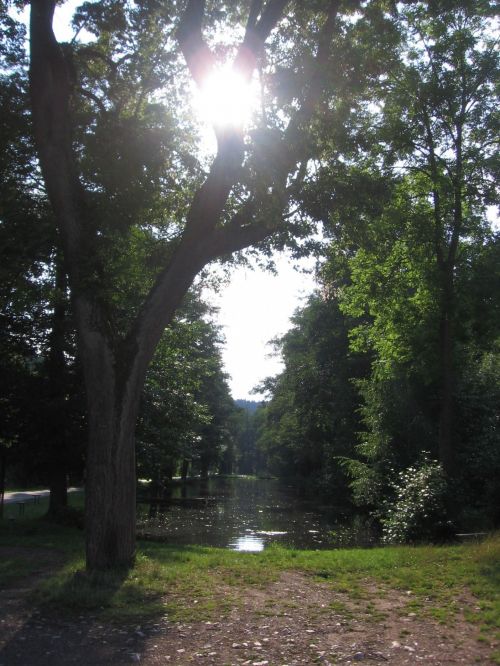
(39, 533)
(443, 614)
(340, 608)
(485, 558)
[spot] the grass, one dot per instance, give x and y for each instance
(198, 583)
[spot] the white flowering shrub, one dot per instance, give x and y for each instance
(418, 512)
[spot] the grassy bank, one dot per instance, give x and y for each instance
(196, 583)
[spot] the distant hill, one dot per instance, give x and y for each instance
(249, 405)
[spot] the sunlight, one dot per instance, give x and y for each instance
(248, 544)
(226, 99)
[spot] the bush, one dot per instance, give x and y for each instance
(418, 512)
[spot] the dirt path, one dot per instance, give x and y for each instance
(295, 620)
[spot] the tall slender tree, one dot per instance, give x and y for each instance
(440, 119)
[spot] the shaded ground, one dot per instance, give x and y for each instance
(295, 620)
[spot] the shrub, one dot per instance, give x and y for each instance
(418, 512)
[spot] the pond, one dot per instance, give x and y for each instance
(240, 513)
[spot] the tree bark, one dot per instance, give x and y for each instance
(110, 490)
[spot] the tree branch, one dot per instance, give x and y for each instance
(272, 13)
(50, 87)
(50, 93)
(209, 201)
(253, 15)
(291, 148)
(199, 58)
(256, 33)
(235, 237)
(321, 60)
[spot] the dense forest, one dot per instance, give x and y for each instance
(390, 394)
(374, 146)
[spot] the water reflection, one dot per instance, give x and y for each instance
(238, 513)
(248, 544)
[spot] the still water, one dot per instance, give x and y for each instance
(239, 513)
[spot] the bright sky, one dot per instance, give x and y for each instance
(254, 308)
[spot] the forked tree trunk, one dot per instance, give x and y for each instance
(114, 369)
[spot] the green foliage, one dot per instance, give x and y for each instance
(310, 421)
(37, 407)
(186, 409)
(479, 444)
(418, 511)
(402, 188)
(248, 424)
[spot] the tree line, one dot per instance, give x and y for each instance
(390, 394)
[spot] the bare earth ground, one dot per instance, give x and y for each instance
(295, 620)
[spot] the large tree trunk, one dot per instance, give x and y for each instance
(110, 495)
(110, 490)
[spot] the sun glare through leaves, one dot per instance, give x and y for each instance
(226, 99)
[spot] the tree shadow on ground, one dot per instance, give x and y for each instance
(61, 618)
